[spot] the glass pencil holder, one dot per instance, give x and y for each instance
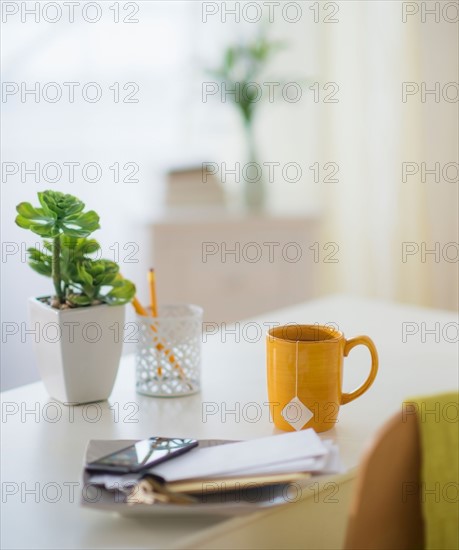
(168, 356)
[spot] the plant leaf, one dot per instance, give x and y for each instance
(120, 294)
(26, 210)
(81, 225)
(83, 276)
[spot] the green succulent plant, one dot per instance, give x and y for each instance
(66, 256)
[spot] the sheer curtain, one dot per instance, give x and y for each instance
(373, 214)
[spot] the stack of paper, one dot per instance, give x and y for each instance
(301, 451)
(294, 454)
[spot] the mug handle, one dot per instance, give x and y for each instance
(368, 342)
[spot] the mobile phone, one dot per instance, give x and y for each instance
(142, 455)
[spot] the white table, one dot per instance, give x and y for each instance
(45, 455)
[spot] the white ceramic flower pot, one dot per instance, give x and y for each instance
(78, 350)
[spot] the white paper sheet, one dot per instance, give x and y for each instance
(236, 457)
(329, 463)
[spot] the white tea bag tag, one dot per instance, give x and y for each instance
(296, 413)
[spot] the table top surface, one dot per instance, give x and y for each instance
(43, 442)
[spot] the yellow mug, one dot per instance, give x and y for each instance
(305, 375)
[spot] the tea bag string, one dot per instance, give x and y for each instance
(296, 368)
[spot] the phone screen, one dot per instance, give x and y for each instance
(143, 454)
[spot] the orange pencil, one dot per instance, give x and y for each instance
(152, 285)
(153, 307)
(139, 309)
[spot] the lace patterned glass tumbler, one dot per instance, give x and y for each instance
(168, 357)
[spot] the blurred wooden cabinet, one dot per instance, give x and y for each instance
(235, 266)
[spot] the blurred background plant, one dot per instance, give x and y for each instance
(239, 76)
